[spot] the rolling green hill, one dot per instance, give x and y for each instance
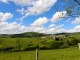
(36, 34)
(26, 34)
(30, 40)
(22, 46)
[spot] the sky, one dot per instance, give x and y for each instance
(19, 16)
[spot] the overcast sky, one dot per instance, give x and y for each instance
(18, 16)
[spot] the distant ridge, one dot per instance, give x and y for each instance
(29, 34)
(35, 34)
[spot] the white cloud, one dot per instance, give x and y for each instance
(49, 30)
(58, 16)
(75, 29)
(40, 22)
(5, 16)
(37, 26)
(41, 6)
(22, 11)
(14, 27)
(55, 29)
(68, 19)
(52, 29)
(34, 7)
(4, 1)
(11, 28)
(37, 29)
(76, 21)
(52, 25)
(24, 2)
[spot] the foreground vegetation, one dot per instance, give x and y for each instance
(32, 42)
(72, 53)
(23, 46)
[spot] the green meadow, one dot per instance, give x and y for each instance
(18, 47)
(72, 53)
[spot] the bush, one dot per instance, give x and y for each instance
(72, 41)
(50, 44)
(56, 44)
(30, 47)
(6, 48)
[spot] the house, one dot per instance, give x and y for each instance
(43, 37)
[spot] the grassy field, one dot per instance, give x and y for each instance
(72, 53)
(12, 41)
(27, 43)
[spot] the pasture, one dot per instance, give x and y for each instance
(72, 53)
(28, 43)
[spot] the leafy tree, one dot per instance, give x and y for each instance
(72, 7)
(18, 42)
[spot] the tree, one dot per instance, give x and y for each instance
(18, 42)
(72, 7)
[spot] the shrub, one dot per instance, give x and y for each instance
(56, 44)
(6, 48)
(50, 44)
(30, 46)
(72, 41)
